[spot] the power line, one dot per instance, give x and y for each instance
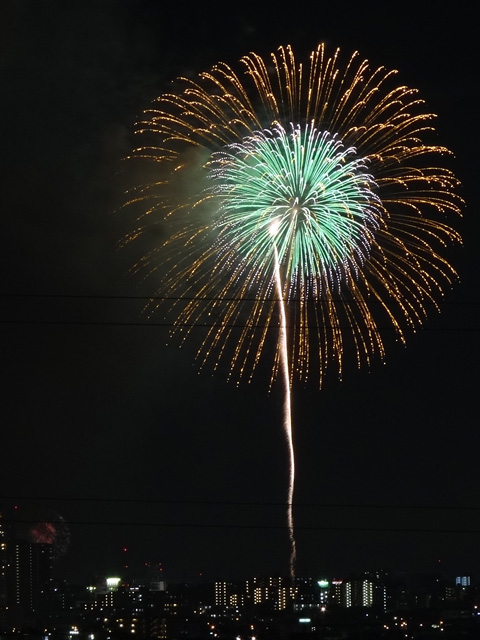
(156, 297)
(187, 325)
(191, 525)
(198, 325)
(240, 503)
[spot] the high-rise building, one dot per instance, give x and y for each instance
(221, 594)
(3, 576)
(29, 581)
(229, 595)
(363, 593)
(275, 591)
(323, 593)
(336, 591)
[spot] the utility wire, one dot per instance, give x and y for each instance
(189, 325)
(198, 325)
(240, 503)
(73, 296)
(191, 525)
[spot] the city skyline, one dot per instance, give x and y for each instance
(369, 604)
(113, 429)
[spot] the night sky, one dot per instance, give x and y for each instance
(113, 429)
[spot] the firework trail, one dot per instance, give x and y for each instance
(337, 157)
(287, 419)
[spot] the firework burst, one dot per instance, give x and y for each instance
(301, 191)
(337, 153)
(44, 526)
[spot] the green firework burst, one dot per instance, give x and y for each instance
(315, 192)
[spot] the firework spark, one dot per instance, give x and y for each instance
(337, 157)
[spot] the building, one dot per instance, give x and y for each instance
(28, 582)
(274, 592)
(3, 576)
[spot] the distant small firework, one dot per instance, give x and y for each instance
(43, 532)
(300, 200)
(44, 526)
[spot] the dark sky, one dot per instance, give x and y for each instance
(105, 423)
